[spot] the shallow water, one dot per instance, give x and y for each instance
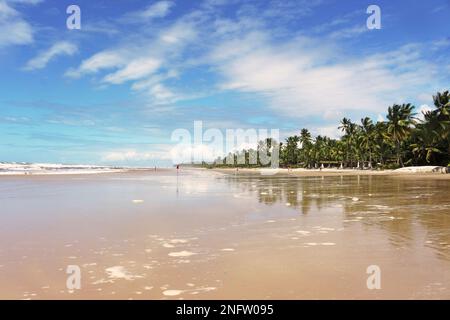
(206, 235)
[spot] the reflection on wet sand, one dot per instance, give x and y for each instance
(370, 200)
(202, 234)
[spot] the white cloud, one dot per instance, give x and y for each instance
(120, 156)
(422, 110)
(99, 61)
(159, 9)
(146, 63)
(305, 77)
(441, 44)
(162, 94)
(349, 32)
(178, 33)
(161, 152)
(425, 97)
(331, 131)
(134, 70)
(14, 29)
(102, 27)
(44, 57)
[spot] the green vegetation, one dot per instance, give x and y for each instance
(402, 140)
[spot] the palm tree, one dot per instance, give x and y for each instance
(381, 144)
(425, 139)
(305, 137)
(367, 137)
(442, 104)
(349, 129)
(319, 150)
(305, 141)
(400, 123)
(291, 150)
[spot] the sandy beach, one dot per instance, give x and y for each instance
(204, 234)
(333, 172)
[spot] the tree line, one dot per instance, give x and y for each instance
(402, 140)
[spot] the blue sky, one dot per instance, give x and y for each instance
(114, 91)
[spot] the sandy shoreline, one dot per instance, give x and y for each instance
(78, 172)
(253, 171)
(332, 172)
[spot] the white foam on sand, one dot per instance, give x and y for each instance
(227, 249)
(181, 254)
(175, 241)
(119, 272)
(320, 244)
(172, 293)
(326, 229)
(183, 261)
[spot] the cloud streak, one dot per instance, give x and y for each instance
(62, 48)
(156, 10)
(14, 29)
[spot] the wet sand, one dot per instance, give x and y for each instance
(331, 172)
(204, 234)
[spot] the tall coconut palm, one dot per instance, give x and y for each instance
(426, 139)
(367, 137)
(381, 141)
(305, 136)
(442, 104)
(305, 141)
(292, 150)
(400, 123)
(348, 128)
